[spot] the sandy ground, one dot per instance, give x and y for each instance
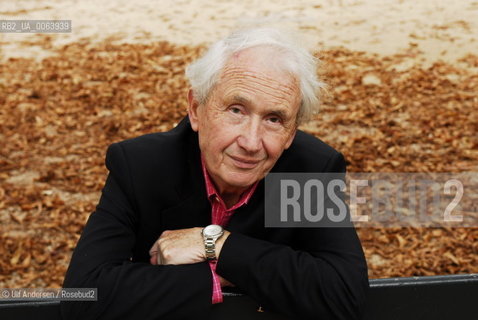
(445, 30)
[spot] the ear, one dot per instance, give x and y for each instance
(291, 139)
(193, 110)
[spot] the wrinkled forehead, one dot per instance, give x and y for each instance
(261, 65)
(266, 59)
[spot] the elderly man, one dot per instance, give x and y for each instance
(182, 212)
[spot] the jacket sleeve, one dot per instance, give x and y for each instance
(127, 290)
(322, 276)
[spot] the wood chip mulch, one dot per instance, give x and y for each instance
(58, 116)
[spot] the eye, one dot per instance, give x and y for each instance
(235, 109)
(274, 119)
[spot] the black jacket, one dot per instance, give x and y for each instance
(155, 184)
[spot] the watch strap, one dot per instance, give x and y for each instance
(210, 246)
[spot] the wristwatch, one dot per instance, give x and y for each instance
(210, 234)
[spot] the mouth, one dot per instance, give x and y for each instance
(245, 163)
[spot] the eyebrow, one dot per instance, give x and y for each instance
(280, 113)
(241, 99)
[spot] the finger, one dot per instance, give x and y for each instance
(154, 248)
(154, 259)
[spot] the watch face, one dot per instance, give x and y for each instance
(212, 230)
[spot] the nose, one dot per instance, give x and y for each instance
(250, 138)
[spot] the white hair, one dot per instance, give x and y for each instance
(204, 72)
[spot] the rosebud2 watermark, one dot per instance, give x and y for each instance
(371, 199)
(48, 294)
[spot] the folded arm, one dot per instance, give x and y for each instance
(320, 274)
(102, 259)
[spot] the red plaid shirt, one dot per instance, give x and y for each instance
(220, 215)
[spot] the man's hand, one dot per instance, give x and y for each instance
(184, 246)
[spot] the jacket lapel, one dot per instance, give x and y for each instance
(249, 219)
(193, 208)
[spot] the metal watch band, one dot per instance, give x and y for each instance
(210, 245)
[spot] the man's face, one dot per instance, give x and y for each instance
(248, 120)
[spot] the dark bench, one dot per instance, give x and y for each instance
(437, 297)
